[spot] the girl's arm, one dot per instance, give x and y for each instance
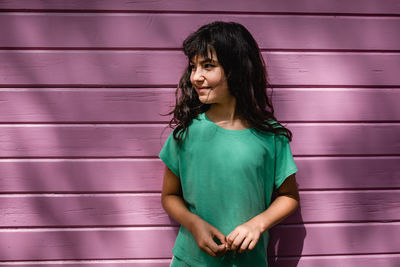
(246, 236)
(203, 232)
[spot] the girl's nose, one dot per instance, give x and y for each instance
(198, 74)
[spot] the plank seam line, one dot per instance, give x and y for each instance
(133, 260)
(165, 123)
(346, 156)
(79, 158)
(355, 189)
(102, 158)
(169, 226)
(25, 50)
(176, 226)
(340, 223)
(170, 90)
(155, 158)
(173, 86)
(97, 86)
(316, 86)
(365, 222)
(80, 194)
(109, 260)
(149, 124)
(79, 228)
(178, 49)
(87, 123)
(339, 255)
(177, 12)
(5, 194)
(343, 122)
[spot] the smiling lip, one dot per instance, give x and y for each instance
(203, 88)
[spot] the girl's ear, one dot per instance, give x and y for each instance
(228, 75)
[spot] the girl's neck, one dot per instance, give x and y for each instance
(224, 116)
(222, 113)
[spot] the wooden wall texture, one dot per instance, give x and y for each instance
(83, 84)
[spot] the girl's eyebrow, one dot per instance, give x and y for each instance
(207, 60)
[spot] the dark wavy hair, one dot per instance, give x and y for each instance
(240, 57)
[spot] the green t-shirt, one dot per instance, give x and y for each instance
(227, 178)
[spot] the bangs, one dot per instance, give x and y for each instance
(200, 45)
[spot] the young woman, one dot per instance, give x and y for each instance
(227, 153)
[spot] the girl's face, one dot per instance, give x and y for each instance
(209, 80)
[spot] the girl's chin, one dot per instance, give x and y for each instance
(204, 100)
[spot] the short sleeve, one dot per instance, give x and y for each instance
(284, 162)
(170, 154)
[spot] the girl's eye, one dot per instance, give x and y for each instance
(206, 66)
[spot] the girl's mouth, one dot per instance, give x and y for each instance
(203, 90)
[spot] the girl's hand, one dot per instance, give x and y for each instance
(244, 237)
(204, 234)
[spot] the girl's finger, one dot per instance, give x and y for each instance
(213, 246)
(252, 244)
(221, 250)
(244, 245)
(209, 251)
(231, 237)
(221, 237)
(238, 240)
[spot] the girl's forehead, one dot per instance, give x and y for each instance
(200, 58)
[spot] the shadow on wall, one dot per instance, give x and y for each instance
(287, 239)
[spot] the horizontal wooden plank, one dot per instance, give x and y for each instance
(133, 30)
(144, 140)
(325, 104)
(142, 68)
(147, 243)
(334, 261)
(54, 105)
(303, 261)
(332, 68)
(355, 6)
(104, 243)
(327, 239)
(348, 206)
(98, 175)
(342, 139)
(346, 173)
(91, 263)
(145, 175)
(145, 209)
(83, 210)
(127, 105)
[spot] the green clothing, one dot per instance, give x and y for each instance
(227, 178)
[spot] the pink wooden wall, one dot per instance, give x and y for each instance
(82, 87)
